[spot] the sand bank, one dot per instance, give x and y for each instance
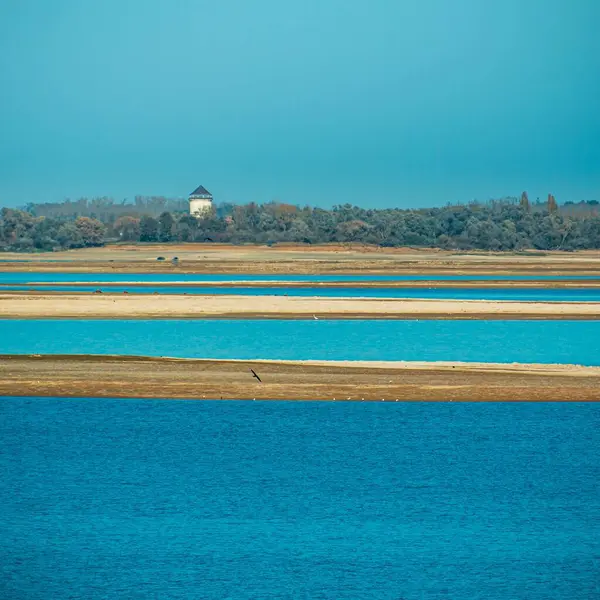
(302, 259)
(142, 306)
(139, 377)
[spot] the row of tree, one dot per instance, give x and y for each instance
(23, 232)
(107, 209)
(508, 224)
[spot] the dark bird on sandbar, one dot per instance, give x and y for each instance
(255, 375)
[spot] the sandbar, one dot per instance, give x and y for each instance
(150, 306)
(144, 377)
(302, 259)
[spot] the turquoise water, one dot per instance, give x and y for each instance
(529, 295)
(36, 277)
(128, 499)
(575, 342)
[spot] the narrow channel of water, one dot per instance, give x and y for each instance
(576, 342)
(57, 277)
(515, 294)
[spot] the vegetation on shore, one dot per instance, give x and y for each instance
(507, 224)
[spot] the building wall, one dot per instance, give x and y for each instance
(199, 205)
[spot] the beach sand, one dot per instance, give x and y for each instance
(139, 377)
(145, 306)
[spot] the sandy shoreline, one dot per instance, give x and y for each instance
(142, 377)
(134, 306)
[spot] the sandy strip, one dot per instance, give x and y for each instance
(440, 365)
(301, 266)
(133, 306)
(302, 259)
(140, 377)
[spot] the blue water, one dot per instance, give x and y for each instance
(52, 277)
(576, 342)
(129, 499)
(523, 294)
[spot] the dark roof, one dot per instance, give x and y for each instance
(201, 191)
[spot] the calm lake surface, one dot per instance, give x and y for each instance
(106, 499)
(529, 295)
(33, 277)
(576, 342)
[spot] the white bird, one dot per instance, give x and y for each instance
(315, 317)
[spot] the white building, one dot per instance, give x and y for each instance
(200, 201)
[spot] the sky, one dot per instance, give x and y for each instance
(380, 103)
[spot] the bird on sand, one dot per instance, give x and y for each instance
(255, 375)
(315, 317)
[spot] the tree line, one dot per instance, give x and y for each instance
(506, 224)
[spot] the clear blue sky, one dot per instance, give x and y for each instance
(378, 102)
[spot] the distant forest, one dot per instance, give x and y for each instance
(506, 224)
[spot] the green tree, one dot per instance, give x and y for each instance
(17, 224)
(127, 228)
(185, 228)
(148, 229)
(91, 230)
(165, 227)
(69, 236)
